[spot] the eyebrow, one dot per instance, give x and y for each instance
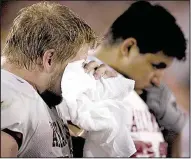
(161, 65)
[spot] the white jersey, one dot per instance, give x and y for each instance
(45, 134)
(144, 129)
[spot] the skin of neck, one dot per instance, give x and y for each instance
(111, 56)
(33, 77)
(107, 55)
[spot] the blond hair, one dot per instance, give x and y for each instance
(44, 26)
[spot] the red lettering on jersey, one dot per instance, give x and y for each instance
(163, 149)
(144, 149)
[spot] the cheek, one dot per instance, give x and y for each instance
(148, 73)
(142, 70)
(145, 73)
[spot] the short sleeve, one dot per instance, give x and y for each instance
(163, 103)
(12, 112)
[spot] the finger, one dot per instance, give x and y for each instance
(100, 71)
(90, 66)
(110, 73)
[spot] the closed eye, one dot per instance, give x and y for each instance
(161, 65)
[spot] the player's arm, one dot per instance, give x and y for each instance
(12, 122)
(9, 146)
(77, 140)
(163, 104)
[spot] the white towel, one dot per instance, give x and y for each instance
(97, 106)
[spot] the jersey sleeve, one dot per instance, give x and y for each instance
(13, 113)
(168, 113)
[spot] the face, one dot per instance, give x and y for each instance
(52, 95)
(146, 69)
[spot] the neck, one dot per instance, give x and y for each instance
(30, 76)
(109, 55)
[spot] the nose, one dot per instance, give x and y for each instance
(156, 80)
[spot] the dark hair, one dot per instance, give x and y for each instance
(154, 28)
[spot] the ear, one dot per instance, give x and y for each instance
(48, 60)
(127, 45)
